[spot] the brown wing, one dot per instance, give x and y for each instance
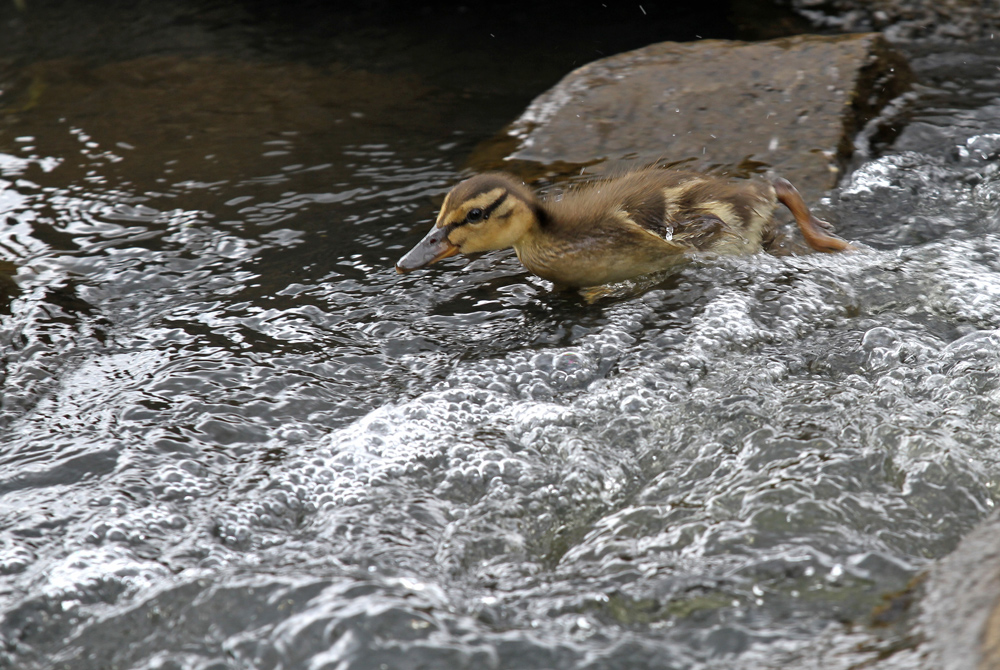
(712, 213)
(701, 231)
(647, 209)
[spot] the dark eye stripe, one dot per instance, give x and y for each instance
(486, 212)
(496, 203)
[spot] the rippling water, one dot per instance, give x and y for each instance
(234, 437)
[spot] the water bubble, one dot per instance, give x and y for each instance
(879, 337)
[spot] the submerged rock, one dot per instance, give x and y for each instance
(8, 287)
(792, 104)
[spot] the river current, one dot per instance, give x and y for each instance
(234, 437)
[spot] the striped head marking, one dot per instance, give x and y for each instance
(485, 212)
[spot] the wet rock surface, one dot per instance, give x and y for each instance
(793, 105)
(961, 609)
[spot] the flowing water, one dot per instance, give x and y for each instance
(234, 437)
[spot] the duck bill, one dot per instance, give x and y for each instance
(431, 249)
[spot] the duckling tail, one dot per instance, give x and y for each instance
(816, 232)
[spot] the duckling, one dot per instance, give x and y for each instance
(607, 231)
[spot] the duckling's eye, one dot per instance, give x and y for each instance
(474, 215)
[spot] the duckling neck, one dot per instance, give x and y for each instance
(540, 249)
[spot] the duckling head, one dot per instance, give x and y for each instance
(485, 212)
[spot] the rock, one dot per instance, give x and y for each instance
(791, 104)
(961, 610)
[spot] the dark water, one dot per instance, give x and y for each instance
(233, 437)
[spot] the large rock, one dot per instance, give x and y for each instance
(961, 610)
(792, 104)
